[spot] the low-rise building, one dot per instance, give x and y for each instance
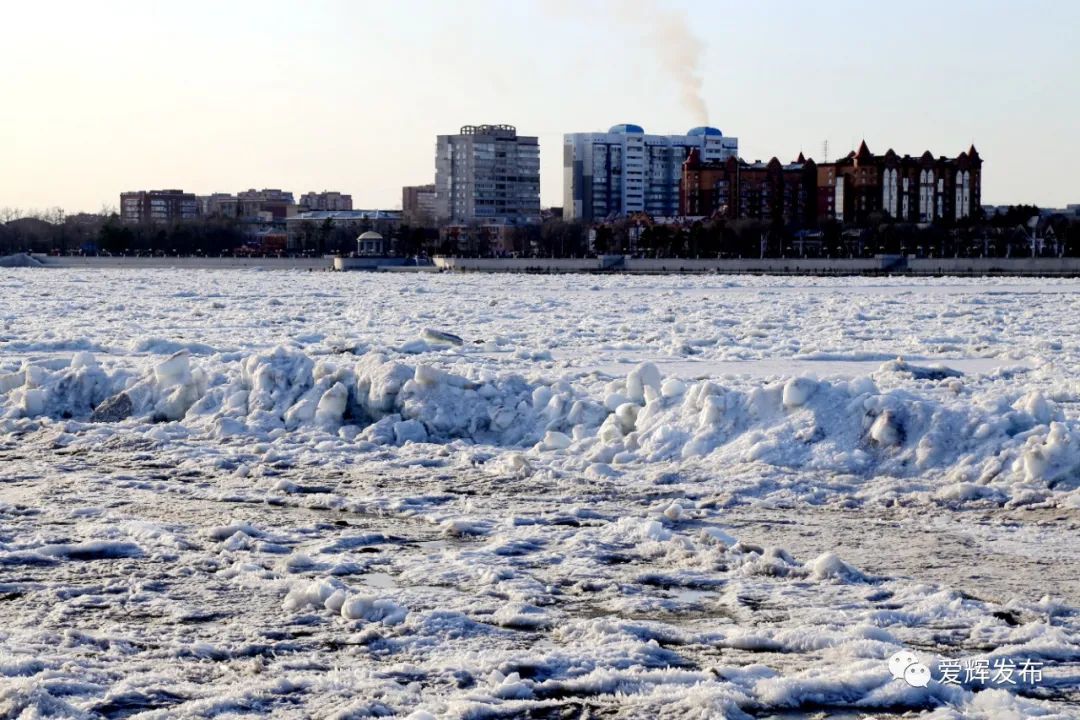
(419, 205)
(855, 188)
(494, 239)
(221, 205)
(158, 206)
(325, 200)
(336, 231)
(920, 189)
(267, 205)
(771, 192)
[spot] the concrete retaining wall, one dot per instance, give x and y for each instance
(382, 264)
(366, 263)
(994, 266)
(192, 263)
(409, 268)
(880, 265)
(871, 266)
(662, 265)
(518, 264)
(768, 266)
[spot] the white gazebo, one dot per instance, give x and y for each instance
(370, 243)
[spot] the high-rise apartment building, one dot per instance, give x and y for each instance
(158, 206)
(488, 174)
(624, 170)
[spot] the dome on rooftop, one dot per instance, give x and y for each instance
(704, 130)
(626, 129)
(370, 235)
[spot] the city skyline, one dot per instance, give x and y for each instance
(352, 96)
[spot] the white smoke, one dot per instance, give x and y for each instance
(678, 50)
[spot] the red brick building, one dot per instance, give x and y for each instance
(158, 206)
(912, 189)
(735, 189)
(922, 189)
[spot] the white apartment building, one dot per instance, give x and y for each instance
(625, 171)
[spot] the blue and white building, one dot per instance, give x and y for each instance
(625, 171)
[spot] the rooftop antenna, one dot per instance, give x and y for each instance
(825, 151)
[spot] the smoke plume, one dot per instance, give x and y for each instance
(678, 50)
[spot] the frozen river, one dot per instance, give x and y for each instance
(231, 493)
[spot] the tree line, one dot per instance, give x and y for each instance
(1017, 232)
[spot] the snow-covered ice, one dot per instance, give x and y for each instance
(350, 495)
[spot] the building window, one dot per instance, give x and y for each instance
(890, 192)
(926, 195)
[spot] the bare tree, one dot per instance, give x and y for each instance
(7, 214)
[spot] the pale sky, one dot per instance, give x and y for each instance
(101, 97)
